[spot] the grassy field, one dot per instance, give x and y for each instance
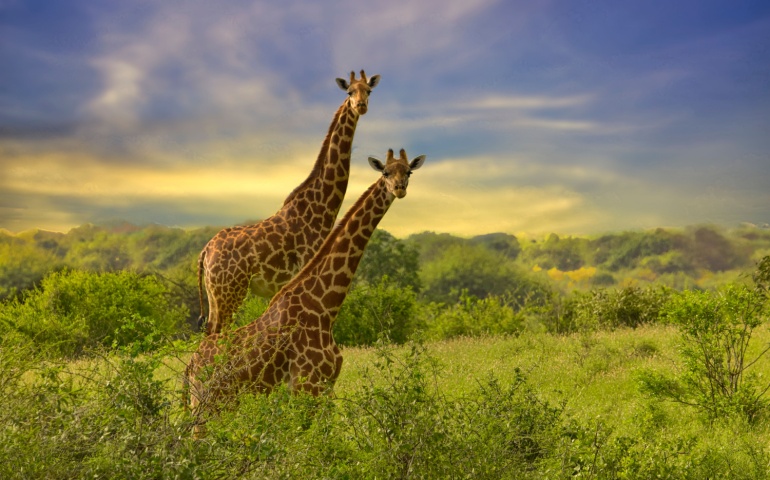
(594, 375)
(575, 410)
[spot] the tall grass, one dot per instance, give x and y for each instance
(530, 406)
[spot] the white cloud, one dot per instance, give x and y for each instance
(527, 102)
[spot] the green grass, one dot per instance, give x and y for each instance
(605, 427)
(593, 374)
(595, 377)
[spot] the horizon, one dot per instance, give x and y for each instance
(115, 225)
(535, 117)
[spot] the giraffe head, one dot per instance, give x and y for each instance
(396, 171)
(359, 90)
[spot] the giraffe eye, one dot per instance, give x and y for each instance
(385, 174)
(350, 93)
(409, 173)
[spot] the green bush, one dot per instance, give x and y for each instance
(387, 256)
(596, 451)
(716, 330)
(471, 316)
(251, 309)
(402, 426)
(22, 265)
(73, 311)
(606, 309)
(481, 273)
(370, 312)
(110, 418)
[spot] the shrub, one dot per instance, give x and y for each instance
(481, 273)
(73, 311)
(401, 426)
(371, 312)
(716, 330)
(105, 418)
(471, 316)
(387, 256)
(251, 309)
(607, 309)
(23, 265)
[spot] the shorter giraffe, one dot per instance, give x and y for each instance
(292, 341)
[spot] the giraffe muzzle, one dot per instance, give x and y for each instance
(362, 107)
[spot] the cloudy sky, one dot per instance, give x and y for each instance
(575, 117)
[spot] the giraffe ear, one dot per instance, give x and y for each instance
(417, 162)
(374, 81)
(376, 164)
(342, 83)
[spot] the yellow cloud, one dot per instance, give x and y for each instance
(453, 197)
(460, 196)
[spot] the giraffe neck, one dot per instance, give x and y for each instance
(331, 170)
(328, 276)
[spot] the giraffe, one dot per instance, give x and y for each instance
(292, 341)
(269, 253)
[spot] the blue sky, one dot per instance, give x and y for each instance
(562, 116)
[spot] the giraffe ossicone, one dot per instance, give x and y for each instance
(292, 341)
(266, 255)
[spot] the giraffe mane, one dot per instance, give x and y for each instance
(326, 247)
(318, 165)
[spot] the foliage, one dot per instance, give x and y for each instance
(597, 451)
(605, 309)
(615, 308)
(397, 413)
(479, 272)
(677, 258)
(403, 426)
(106, 419)
(502, 243)
(251, 309)
(22, 266)
(387, 256)
(384, 310)
(625, 249)
(471, 316)
(717, 328)
(431, 245)
(73, 311)
(560, 253)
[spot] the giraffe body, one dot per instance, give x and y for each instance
(268, 254)
(292, 341)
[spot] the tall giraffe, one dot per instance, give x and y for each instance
(269, 253)
(292, 341)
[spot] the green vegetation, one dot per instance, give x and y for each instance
(635, 355)
(73, 311)
(717, 328)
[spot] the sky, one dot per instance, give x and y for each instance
(573, 117)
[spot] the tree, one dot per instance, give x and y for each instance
(479, 272)
(713, 251)
(373, 311)
(717, 327)
(22, 265)
(387, 256)
(430, 245)
(73, 310)
(503, 243)
(565, 254)
(626, 249)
